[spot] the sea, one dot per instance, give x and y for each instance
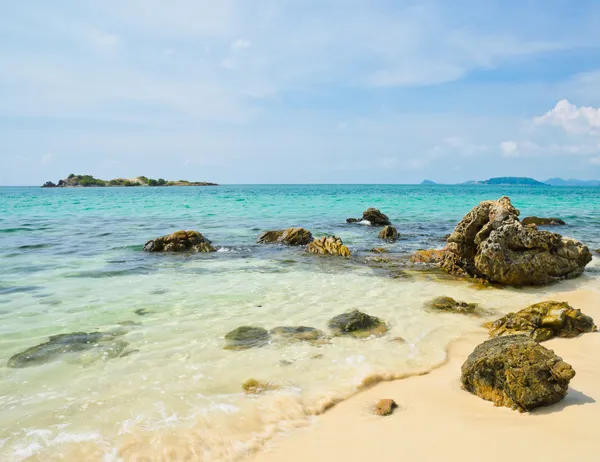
(72, 260)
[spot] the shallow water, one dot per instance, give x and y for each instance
(72, 261)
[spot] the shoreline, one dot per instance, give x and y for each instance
(434, 408)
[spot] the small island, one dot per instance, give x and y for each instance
(88, 181)
(509, 180)
(428, 182)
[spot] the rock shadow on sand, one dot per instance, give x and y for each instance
(574, 398)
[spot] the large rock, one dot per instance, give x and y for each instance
(49, 184)
(544, 321)
(328, 245)
(389, 233)
(452, 306)
(491, 243)
(245, 337)
(290, 236)
(180, 241)
(542, 221)
(373, 216)
(516, 372)
(104, 344)
(357, 323)
(298, 333)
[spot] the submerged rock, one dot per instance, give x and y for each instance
(491, 243)
(328, 245)
(290, 236)
(389, 233)
(255, 387)
(298, 333)
(180, 241)
(57, 345)
(379, 250)
(544, 321)
(385, 407)
(245, 337)
(352, 220)
(542, 221)
(431, 256)
(357, 323)
(516, 372)
(451, 305)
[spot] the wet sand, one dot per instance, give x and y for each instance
(437, 420)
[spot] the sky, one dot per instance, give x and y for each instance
(290, 91)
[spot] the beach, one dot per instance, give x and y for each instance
(166, 387)
(437, 420)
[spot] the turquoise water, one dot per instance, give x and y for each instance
(72, 261)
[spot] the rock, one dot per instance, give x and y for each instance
(516, 372)
(180, 241)
(328, 245)
(431, 256)
(451, 305)
(57, 345)
(491, 243)
(298, 333)
(544, 321)
(246, 337)
(379, 250)
(290, 236)
(375, 217)
(141, 311)
(542, 221)
(598, 251)
(352, 220)
(255, 387)
(389, 233)
(385, 407)
(49, 184)
(357, 324)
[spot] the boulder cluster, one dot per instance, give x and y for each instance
(180, 241)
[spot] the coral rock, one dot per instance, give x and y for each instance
(180, 241)
(385, 407)
(328, 245)
(389, 233)
(290, 236)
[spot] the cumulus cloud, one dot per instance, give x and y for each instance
(572, 119)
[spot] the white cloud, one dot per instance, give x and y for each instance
(595, 160)
(509, 148)
(240, 44)
(572, 119)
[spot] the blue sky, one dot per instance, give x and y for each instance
(290, 91)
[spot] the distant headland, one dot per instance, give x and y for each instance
(513, 180)
(88, 181)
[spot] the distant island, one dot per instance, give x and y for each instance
(509, 180)
(572, 182)
(88, 181)
(428, 182)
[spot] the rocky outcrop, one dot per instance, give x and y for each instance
(385, 407)
(544, 321)
(542, 221)
(180, 241)
(105, 344)
(450, 305)
(373, 216)
(245, 337)
(290, 236)
(491, 243)
(357, 323)
(49, 184)
(389, 233)
(379, 250)
(430, 256)
(328, 245)
(516, 372)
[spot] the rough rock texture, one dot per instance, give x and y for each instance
(246, 337)
(598, 251)
(105, 344)
(385, 407)
(542, 221)
(379, 250)
(328, 245)
(451, 305)
(491, 243)
(352, 220)
(516, 372)
(298, 333)
(357, 323)
(255, 387)
(544, 321)
(290, 236)
(375, 217)
(180, 241)
(389, 233)
(431, 256)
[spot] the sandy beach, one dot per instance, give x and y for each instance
(436, 420)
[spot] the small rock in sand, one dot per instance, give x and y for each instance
(385, 407)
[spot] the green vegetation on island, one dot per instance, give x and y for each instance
(509, 180)
(87, 181)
